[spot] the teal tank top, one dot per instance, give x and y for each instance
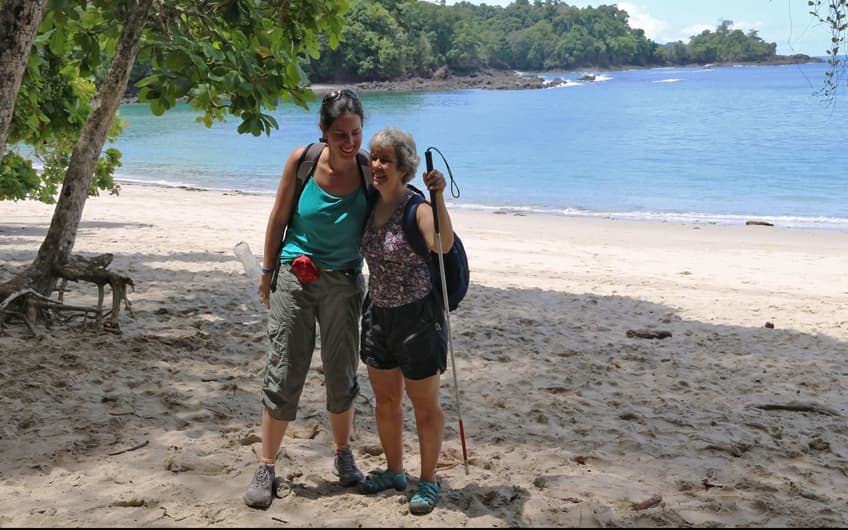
(327, 228)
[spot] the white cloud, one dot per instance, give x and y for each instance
(652, 26)
(690, 31)
(661, 31)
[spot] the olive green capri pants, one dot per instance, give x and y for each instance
(334, 301)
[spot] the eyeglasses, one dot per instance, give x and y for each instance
(336, 94)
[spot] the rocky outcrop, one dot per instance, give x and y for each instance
(444, 80)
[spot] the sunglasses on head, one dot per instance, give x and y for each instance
(336, 94)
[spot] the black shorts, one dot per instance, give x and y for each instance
(412, 337)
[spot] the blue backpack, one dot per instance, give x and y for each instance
(456, 261)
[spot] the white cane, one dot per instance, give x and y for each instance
(428, 156)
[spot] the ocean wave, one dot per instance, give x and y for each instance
(786, 221)
(191, 185)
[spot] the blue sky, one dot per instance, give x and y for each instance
(787, 23)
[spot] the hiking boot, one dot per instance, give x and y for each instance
(260, 491)
(345, 467)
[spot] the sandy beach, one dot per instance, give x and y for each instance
(737, 419)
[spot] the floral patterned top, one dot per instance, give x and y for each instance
(397, 274)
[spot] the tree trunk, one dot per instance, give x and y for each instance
(61, 236)
(19, 20)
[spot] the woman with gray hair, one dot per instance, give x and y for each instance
(404, 338)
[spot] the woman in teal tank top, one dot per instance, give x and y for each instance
(319, 282)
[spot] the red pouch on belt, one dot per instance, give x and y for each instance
(305, 270)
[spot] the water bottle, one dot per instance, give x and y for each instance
(251, 268)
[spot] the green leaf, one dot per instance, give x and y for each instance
(157, 107)
(57, 41)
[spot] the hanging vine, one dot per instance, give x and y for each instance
(834, 13)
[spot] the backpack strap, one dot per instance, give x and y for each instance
(309, 159)
(306, 165)
(410, 223)
(364, 160)
(419, 245)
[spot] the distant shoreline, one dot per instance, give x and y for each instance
(494, 79)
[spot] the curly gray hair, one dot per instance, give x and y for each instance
(402, 145)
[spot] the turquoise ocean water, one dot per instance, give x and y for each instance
(713, 145)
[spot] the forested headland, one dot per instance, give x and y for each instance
(393, 40)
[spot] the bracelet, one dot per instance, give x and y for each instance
(266, 271)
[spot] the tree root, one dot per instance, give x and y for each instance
(28, 304)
